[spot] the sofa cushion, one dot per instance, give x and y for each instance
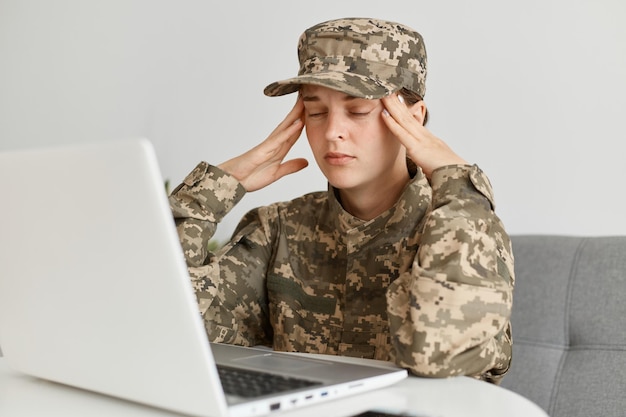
(569, 337)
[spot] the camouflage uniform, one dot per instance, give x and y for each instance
(427, 284)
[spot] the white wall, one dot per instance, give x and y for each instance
(534, 91)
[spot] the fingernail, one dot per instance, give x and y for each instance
(385, 113)
(400, 99)
(297, 121)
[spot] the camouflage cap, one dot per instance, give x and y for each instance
(366, 58)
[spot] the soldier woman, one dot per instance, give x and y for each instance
(401, 259)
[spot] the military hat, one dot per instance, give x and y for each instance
(361, 57)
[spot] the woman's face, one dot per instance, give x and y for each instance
(351, 143)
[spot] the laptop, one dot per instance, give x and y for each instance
(95, 294)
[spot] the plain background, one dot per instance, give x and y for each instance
(532, 91)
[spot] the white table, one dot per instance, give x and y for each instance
(23, 396)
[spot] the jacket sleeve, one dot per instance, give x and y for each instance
(450, 314)
(230, 283)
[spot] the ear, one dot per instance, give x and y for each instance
(418, 110)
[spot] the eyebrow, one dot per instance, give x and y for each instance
(316, 98)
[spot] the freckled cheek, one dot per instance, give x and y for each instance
(310, 135)
(316, 143)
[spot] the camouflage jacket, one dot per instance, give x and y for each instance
(427, 284)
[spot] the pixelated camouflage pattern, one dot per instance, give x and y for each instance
(427, 284)
(366, 58)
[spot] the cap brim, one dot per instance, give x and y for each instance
(354, 85)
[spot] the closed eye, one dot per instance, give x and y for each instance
(360, 113)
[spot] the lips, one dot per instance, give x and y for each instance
(337, 158)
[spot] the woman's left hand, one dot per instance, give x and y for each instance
(425, 149)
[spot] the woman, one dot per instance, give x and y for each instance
(401, 259)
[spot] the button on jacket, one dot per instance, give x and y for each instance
(427, 284)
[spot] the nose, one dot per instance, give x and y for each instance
(336, 128)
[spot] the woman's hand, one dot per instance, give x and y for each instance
(425, 149)
(263, 164)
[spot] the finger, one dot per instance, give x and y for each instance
(288, 131)
(293, 116)
(395, 107)
(404, 124)
(400, 132)
(283, 137)
(409, 116)
(286, 138)
(403, 115)
(290, 167)
(425, 149)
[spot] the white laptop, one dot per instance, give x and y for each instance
(94, 291)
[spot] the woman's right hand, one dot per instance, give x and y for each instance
(263, 164)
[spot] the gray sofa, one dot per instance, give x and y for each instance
(569, 330)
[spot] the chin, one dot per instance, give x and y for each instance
(341, 179)
(341, 184)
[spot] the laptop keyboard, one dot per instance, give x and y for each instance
(248, 384)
